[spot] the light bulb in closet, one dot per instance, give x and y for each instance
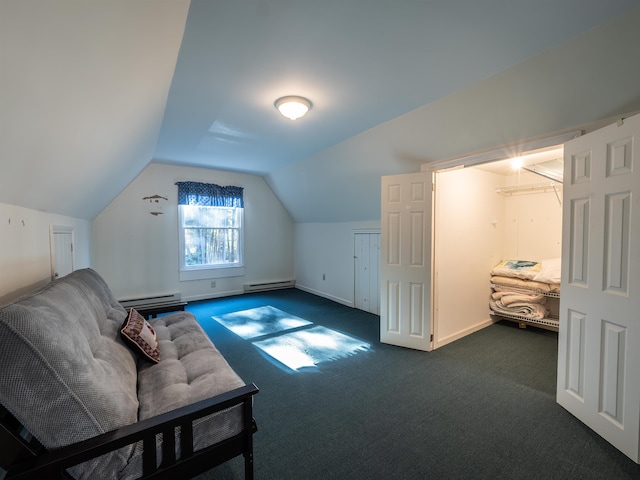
(516, 163)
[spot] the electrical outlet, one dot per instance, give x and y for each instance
(324, 276)
(213, 284)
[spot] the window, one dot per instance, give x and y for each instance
(211, 230)
(211, 236)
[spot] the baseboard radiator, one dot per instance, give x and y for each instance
(264, 286)
(151, 299)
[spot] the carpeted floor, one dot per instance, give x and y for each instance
(482, 407)
(292, 341)
(260, 321)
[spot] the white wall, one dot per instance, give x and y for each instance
(533, 221)
(469, 239)
(25, 255)
(137, 253)
(327, 248)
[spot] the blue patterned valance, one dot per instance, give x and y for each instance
(209, 194)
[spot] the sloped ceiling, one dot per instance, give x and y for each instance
(83, 88)
(84, 105)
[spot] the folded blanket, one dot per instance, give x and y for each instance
(534, 311)
(525, 269)
(520, 283)
(507, 298)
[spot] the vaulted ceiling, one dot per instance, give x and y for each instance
(91, 92)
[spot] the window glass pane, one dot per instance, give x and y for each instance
(211, 235)
(221, 217)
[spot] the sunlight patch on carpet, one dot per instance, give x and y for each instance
(292, 341)
(308, 348)
(260, 321)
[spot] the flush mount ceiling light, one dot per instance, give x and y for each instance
(293, 107)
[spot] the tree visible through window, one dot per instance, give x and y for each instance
(210, 225)
(211, 235)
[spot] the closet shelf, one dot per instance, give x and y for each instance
(528, 188)
(550, 323)
(546, 293)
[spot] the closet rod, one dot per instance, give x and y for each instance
(531, 187)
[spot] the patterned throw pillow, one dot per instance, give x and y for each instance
(138, 333)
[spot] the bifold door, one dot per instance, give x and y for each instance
(599, 338)
(405, 266)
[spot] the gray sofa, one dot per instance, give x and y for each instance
(76, 398)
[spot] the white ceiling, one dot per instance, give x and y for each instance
(91, 92)
(361, 63)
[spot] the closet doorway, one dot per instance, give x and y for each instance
(433, 311)
(484, 215)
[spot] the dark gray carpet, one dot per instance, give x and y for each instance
(482, 407)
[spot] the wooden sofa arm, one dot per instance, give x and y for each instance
(53, 464)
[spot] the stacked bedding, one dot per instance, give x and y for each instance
(504, 300)
(520, 287)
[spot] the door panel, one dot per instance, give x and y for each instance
(405, 266)
(579, 241)
(599, 338)
(574, 383)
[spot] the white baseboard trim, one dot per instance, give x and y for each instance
(209, 296)
(467, 331)
(348, 303)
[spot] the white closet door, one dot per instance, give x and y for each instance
(405, 266)
(61, 240)
(367, 271)
(599, 338)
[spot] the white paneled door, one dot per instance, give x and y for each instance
(366, 254)
(61, 241)
(599, 338)
(405, 265)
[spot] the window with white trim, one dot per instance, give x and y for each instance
(211, 230)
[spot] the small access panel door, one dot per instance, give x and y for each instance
(61, 243)
(366, 254)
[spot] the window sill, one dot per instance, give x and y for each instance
(207, 273)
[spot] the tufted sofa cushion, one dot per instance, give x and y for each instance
(65, 373)
(191, 369)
